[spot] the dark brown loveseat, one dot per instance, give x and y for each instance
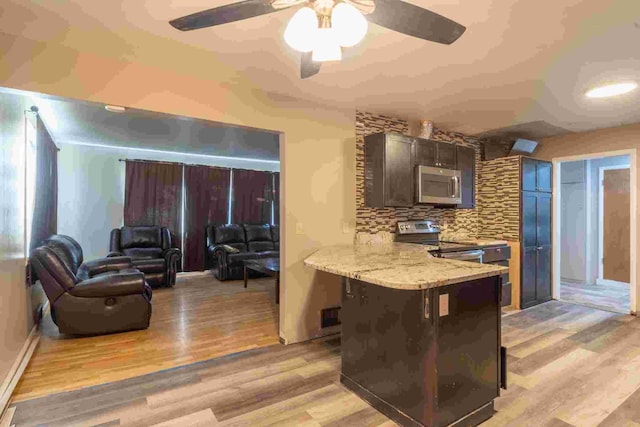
(228, 246)
(95, 297)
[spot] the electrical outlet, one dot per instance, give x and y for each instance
(345, 227)
(299, 228)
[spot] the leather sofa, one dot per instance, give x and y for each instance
(88, 298)
(151, 250)
(228, 246)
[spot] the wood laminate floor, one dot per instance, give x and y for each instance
(610, 296)
(200, 318)
(569, 365)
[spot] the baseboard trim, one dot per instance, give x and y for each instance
(15, 373)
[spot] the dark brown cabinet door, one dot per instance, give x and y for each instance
(446, 157)
(544, 176)
(425, 153)
(398, 178)
(529, 175)
(543, 267)
(466, 163)
(528, 279)
(536, 248)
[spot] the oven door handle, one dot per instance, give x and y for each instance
(464, 256)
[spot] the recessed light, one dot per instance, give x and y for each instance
(612, 90)
(115, 108)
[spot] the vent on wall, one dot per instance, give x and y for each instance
(330, 317)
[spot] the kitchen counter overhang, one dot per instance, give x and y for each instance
(398, 266)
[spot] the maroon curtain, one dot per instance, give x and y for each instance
(251, 197)
(153, 196)
(276, 198)
(45, 208)
(206, 202)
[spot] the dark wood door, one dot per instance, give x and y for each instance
(466, 163)
(425, 153)
(446, 155)
(398, 180)
(544, 172)
(529, 174)
(543, 231)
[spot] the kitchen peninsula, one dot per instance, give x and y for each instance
(420, 335)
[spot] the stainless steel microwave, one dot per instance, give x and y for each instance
(438, 186)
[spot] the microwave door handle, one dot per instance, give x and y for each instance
(455, 187)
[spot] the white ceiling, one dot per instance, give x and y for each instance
(87, 123)
(519, 61)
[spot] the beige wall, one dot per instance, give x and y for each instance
(16, 318)
(317, 147)
(600, 141)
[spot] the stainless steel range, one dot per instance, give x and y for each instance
(427, 232)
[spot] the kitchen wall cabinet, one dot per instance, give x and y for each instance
(435, 154)
(390, 161)
(536, 175)
(388, 170)
(466, 163)
(535, 232)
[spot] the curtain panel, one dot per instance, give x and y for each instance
(153, 196)
(206, 202)
(251, 197)
(44, 222)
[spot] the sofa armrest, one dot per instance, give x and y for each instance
(172, 258)
(103, 265)
(111, 286)
(115, 254)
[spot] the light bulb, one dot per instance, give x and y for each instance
(301, 30)
(326, 47)
(350, 25)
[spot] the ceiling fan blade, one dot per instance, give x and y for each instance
(415, 21)
(227, 13)
(364, 6)
(308, 67)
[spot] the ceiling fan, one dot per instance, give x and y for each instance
(322, 28)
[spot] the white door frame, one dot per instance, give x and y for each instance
(601, 280)
(556, 237)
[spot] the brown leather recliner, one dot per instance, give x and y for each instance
(151, 251)
(97, 297)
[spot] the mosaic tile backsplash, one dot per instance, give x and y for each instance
(498, 198)
(374, 220)
(497, 212)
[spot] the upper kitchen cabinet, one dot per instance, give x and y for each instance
(536, 175)
(388, 177)
(435, 154)
(466, 164)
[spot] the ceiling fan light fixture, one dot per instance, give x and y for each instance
(301, 30)
(327, 48)
(612, 90)
(349, 23)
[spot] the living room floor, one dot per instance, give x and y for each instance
(569, 365)
(199, 319)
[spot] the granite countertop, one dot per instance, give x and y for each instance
(398, 265)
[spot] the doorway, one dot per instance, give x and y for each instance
(593, 232)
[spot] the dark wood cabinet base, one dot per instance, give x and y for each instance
(475, 418)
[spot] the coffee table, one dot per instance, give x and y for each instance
(270, 266)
